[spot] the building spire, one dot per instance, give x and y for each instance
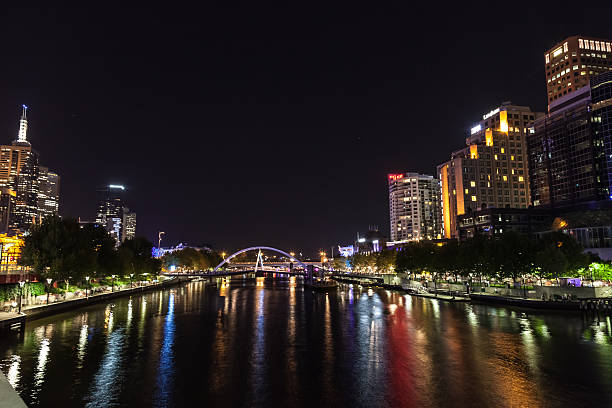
(23, 125)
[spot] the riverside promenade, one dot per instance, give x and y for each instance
(9, 320)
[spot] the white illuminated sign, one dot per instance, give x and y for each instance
(116, 186)
(488, 115)
(557, 52)
(475, 129)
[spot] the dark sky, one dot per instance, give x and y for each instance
(237, 124)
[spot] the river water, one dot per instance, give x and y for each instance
(279, 344)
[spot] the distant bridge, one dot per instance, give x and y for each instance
(244, 268)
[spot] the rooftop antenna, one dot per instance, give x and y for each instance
(23, 125)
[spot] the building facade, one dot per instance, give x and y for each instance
(113, 215)
(414, 207)
(570, 149)
(48, 192)
(491, 171)
(572, 63)
(129, 224)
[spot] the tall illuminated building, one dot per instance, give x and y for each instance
(572, 63)
(48, 192)
(570, 149)
(414, 207)
(19, 176)
(491, 171)
(129, 224)
(113, 215)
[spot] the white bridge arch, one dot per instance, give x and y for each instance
(291, 258)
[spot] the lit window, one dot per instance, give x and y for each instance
(547, 58)
(503, 150)
(580, 43)
(473, 183)
(586, 44)
(505, 178)
(495, 157)
(521, 178)
(597, 46)
(473, 198)
(557, 52)
(592, 43)
(565, 46)
(511, 157)
(608, 47)
(467, 191)
(575, 67)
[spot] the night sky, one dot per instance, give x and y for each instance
(237, 125)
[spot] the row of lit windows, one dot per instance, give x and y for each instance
(594, 45)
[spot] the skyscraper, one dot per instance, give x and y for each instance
(571, 64)
(570, 149)
(414, 207)
(129, 224)
(113, 215)
(19, 175)
(491, 172)
(48, 192)
(24, 202)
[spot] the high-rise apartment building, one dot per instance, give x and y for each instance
(113, 215)
(414, 207)
(571, 64)
(48, 192)
(492, 171)
(570, 149)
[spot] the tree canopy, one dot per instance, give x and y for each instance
(61, 249)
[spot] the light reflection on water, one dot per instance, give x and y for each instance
(270, 342)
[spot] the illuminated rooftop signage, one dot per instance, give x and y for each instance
(116, 186)
(475, 129)
(395, 176)
(488, 115)
(557, 52)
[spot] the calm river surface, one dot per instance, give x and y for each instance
(278, 344)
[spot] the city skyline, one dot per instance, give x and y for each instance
(199, 143)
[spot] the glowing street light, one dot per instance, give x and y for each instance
(49, 280)
(131, 276)
(21, 283)
(159, 235)
(113, 283)
(86, 287)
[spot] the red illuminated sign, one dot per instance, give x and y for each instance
(395, 176)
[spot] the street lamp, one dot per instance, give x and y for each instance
(223, 255)
(113, 283)
(21, 283)
(159, 235)
(49, 280)
(86, 287)
(131, 276)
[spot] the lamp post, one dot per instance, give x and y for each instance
(113, 283)
(21, 283)
(49, 280)
(131, 276)
(86, 287)
(159, 235)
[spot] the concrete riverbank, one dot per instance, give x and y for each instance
(8, 396)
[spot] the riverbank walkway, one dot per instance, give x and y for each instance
(7, 319)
